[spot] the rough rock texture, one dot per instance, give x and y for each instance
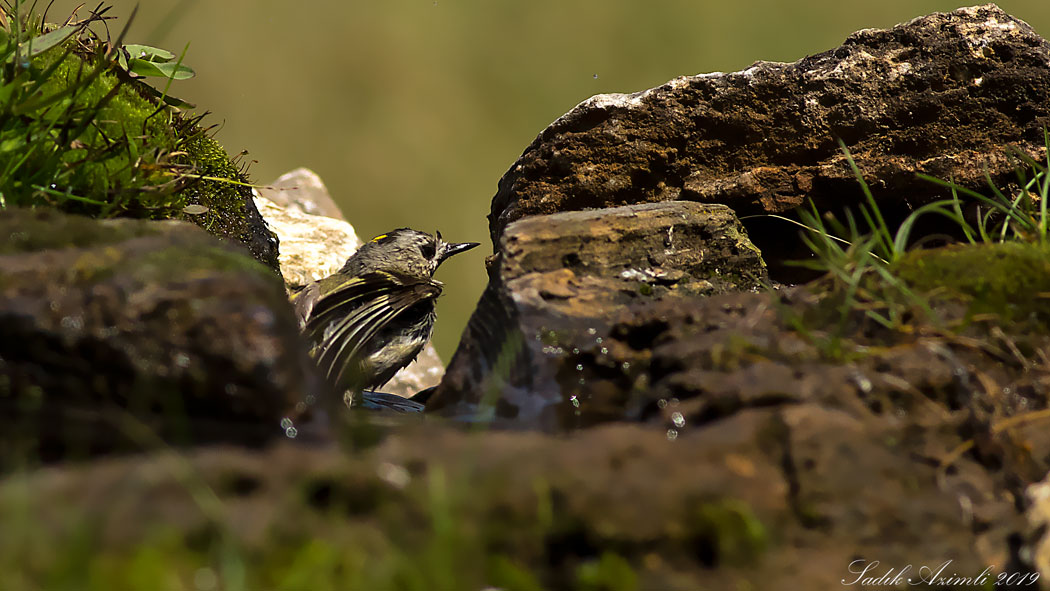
(784, 497)
(109, 324)
(534, 346)
(944, 94)
(315, 245)
(312, 246)
(303, 190)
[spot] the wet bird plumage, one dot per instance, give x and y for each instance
(375, 315)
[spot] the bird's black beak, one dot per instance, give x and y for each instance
(448, 249)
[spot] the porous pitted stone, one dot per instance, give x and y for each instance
(534, 345)
(944, 94)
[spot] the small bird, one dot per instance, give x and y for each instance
(374, 316)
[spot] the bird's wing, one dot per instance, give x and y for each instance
(354, 311)
(304, 301)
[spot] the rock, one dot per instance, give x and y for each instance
(218, 197)
(1037, 516)
(312, 246)
(945, 94)
(316, 246)
(302, 190)
(534, 352)
(771, 498)
(115, 329)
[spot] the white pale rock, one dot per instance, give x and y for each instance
(302, 189)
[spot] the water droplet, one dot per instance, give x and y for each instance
(662, 403)
(575, 350)
(182, 360)
(205, 579)
(678, 419)
(72, 322)
(286, 423)
(591, 331)
(393, 474)
(626, 365)
(672, 434)
(863, 383)
(598, 340)
(582, 381)
(575, 401)
(291, 432)
(579, 367)
(605, 351)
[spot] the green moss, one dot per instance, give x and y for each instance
(609, 573)
(160, 265)
(105, 143)
(78, 133)
(1010, 280)
(728, 532)
(24, 230)
(225, 199)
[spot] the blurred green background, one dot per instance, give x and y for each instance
(412, 110)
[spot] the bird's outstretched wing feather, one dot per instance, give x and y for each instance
(345, 318)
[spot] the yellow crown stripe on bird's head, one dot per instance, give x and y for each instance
(378, 238)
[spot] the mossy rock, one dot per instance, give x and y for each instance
(92, 140)
(157, 323)
(1010, 280)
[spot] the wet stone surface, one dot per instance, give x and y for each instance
(539, 344)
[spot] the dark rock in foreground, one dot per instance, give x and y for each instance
(771, 498)
(945, 94)
(534, 348)
(118, 327)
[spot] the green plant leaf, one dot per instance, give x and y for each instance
(172, 71)
(42, 43)
(149, 54)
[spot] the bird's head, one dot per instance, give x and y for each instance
(406, 251)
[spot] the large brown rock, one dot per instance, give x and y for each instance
(773, 498)
(533, 350)
(944, 94)
(116, 329)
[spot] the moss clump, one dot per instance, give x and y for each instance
(1010, 279)
(101, 150)
(42, 229)
(727, 532)
(219, 186)
(79, 133)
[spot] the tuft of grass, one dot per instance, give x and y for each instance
(78, 129)
(1022, 217)
(871, 267)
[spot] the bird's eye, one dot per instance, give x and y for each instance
(427, 250)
